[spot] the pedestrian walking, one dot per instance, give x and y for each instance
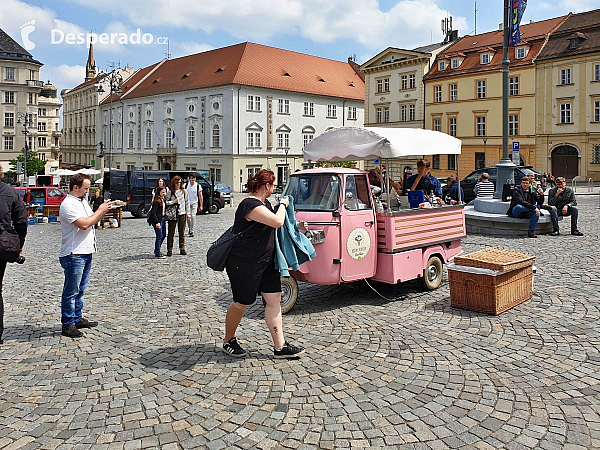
(251, 269)
(176, 195)
(78, 245)
(157, 219)
(194, 191)
(13, 219)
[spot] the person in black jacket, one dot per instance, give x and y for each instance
(157, 219)
(13, 218)
(524, 205)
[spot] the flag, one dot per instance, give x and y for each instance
(27, 154)
(173, 135)
(516, 14)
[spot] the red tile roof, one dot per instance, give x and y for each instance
(585, 26)
(257, 65)
(470, 47)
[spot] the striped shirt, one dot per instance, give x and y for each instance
(484, 189)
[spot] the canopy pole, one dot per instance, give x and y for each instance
(387, 183)
(458, 178)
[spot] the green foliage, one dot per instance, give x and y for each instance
(34, 164)
(346, 164)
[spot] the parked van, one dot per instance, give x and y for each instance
(44, 195)
(135, 187)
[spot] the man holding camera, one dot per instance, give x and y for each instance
(13, 219)
(78, 244)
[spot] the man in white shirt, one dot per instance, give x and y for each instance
(78, 244)
(194, 191)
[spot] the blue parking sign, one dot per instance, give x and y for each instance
(516, 146)
(376, 162)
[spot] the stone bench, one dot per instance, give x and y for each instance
(488, 216)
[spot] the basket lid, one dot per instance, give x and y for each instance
(496, 259)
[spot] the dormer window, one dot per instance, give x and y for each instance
(442, 65)
(485, 58)
(574, 43)
(520, 53)
(455, 63)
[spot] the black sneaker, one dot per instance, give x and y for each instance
(72, 332)
(191, 234)
(288, 351)
(169, 253)
(160, 256)
(576, 233)
(232, 348)
(84, 323)
(182, 252)
(555, 233)
(531, 234)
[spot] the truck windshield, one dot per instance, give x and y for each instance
(314, 192)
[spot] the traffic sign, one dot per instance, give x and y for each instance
(516, 146)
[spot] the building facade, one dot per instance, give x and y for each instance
(568, 99)
(463, 97)
(395, 92)
(80, 147)
(231, 111)
(19, 93)
(48, 127)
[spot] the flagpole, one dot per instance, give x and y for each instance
(505, 167)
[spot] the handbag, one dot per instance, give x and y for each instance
(218, 252)
(10, 245)
(171, 211)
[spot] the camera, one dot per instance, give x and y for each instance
(20, 259)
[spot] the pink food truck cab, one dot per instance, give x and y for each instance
(352, 240)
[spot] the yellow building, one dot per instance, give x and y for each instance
(568, 99)
(463, 97)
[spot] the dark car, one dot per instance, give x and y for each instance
(225, 192)
(469, 182)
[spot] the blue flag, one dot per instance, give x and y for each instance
(516, 14)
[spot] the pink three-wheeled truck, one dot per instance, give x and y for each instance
(358, 236)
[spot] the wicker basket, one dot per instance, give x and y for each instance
(496, 259)
(506, 283)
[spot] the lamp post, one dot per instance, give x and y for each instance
(100, 155)
(484, 151)
(287, 167)
(114, 82)
(27, 121)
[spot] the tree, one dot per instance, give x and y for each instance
(346, 164)
(34, 164)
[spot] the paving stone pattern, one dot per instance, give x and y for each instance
(409, 373)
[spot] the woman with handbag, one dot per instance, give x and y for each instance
(251, 268)
(157, 219)
(177, 211)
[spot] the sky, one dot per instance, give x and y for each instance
(334, 29)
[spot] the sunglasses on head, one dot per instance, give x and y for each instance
(427, 165)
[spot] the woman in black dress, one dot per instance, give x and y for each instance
(251, 266)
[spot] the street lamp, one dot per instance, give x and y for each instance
(287, 167)
(114, 82)
(27, 120)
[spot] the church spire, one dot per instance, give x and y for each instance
(90, 66)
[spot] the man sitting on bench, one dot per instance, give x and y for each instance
(524, 205)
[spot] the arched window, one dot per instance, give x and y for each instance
(130, 139)
(148, 138)
(169, 138)
(191, 136)
(216, 136)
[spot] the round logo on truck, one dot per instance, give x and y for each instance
(358, 243)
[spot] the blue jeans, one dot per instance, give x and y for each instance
(521, 211)
(571, 211)
(160, 236)
(77, 276)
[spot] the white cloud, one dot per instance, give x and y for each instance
(189, 48)
(409, 23)
(63, 76)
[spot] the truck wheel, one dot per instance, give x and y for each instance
(289, 293)
(142, 211)
(432, 274)
(214, 208)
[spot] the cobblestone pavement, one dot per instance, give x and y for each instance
(410, 373)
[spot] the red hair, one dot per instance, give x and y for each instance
(262, 178)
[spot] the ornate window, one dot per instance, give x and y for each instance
(216, 136)
(191, 136)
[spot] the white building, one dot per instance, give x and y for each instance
(19, 90)
(79, 145)
(232, 111)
